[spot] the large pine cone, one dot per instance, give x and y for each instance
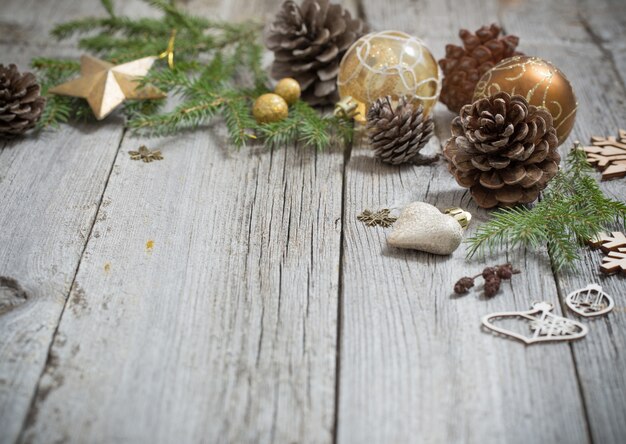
(308, 43)
(398, 133)
(503, 150)
(20, 102)
(464, 66)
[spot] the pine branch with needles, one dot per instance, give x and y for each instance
(572, 211)
(217, 72)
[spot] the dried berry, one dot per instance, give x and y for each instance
(489, 271)
(463, 285)
(505, 272)
(492, 286)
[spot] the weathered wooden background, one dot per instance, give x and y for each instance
(264, 311)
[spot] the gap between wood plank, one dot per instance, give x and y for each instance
(346, 160)
(32, 409)
(347, 154)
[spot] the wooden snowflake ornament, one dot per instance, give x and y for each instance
(614, 244)
(382, 218)
(608, 154)
(145, 154)
(614, 262)
(610, 242)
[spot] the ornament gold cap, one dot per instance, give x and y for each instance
(349, 108)
(462, 217)
(346, 107)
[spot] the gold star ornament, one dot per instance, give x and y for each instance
(105, 86)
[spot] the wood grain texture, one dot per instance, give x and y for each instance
(50, 189)
(210, 293)
(207, 298)
(205, 306)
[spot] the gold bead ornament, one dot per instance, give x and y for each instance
(269, 108)
(540, 82)
(288, 89)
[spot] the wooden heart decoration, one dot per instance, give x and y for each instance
(543, 325)
(423, 227)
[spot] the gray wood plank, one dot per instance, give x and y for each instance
(594, 65)
(50, 189)
(224, 330)
(600, 363)
(415, 365)
(205, 305)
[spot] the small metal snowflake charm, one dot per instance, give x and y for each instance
(542, 323)
(590, 301)
(381, 218)
(145, 154)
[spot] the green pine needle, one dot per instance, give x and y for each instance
(572, 211)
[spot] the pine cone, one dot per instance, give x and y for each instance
(464, 66)
(20, 102)
(308, 43)
(398, 134)
(503, 150)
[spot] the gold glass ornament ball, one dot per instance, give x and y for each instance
(288, 89)
(540, 82)
(389, 63)
(270, 108)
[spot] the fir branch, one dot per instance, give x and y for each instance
(306, 126)
(572, 211)
(217, 72)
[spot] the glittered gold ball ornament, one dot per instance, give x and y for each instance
(270, 108)
(389, 63)
(288, 89)
(540, 82)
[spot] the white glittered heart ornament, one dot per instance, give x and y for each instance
(423, 227)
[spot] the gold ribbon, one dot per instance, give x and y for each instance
(169, 52)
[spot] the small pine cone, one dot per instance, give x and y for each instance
(308, 42)
(463, 285)
(464, 66)
(20, 102)
(503, 150)
(398, 134)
